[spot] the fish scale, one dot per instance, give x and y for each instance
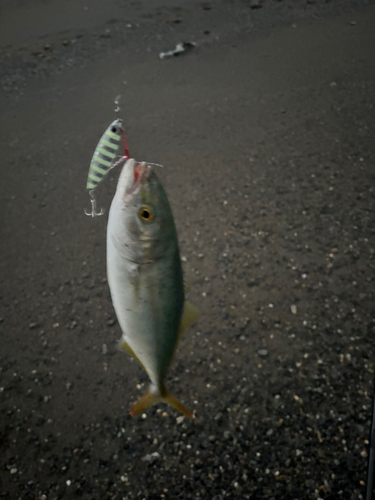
(105, 154)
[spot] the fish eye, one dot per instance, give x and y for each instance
(146, 214)
(114, 129)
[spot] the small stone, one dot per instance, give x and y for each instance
(33, 325)
(68, 482)
(180, 419)
(256, 4)
(293, 309)
(111, 322)
(262, 353)
(13, 470)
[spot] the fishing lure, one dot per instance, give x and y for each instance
(104, 159)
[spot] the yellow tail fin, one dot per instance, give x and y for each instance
(150, 399)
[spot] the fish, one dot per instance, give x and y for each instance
(145, 278)
(105, 153)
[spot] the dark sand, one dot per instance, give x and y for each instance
(266, 132)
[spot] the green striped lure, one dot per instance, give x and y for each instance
(104, 159)
(105, 153)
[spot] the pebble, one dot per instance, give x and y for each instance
(262, 353)
(293, 309)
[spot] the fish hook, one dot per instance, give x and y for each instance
(93, 212)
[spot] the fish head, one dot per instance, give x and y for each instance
(145, 225)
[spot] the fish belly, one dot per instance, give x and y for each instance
(148, 300)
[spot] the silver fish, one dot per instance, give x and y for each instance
(145, 278)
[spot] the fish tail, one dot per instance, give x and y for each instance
(149, 399)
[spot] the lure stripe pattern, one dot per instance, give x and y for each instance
(104, 154)
(99, 170)
(109, 144)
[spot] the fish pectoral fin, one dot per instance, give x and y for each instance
(189, 315)
(150, 399)
(124, 346)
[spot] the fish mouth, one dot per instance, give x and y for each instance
(136, 174)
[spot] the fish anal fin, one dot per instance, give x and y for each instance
(124, 346)
(189, 315)
(149, 399)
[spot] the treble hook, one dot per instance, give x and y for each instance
(93, 212)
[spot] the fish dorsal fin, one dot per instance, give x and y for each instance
(124, 346)
(189, 316)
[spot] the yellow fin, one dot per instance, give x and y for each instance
(150, 399)
(124, 346)
(189, 315)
